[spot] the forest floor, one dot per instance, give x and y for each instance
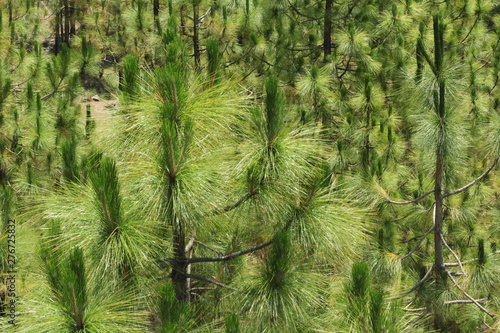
(101, 111)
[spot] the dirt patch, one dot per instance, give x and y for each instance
(101, 111)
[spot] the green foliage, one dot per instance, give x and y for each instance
(232, 323)
(281, 295)
(173, 315)
(366, 308)
(290, 134)
(70, 160)
(130, 79)
(214, 58)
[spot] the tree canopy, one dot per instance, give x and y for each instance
(249, 166)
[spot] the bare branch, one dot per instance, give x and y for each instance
(455, 264)
(466, 301)
(414, 310)
(190, 244)
(474, 181)
(454, 254)
(234, 205)
(410, 201)
(471, 298)
(415, 287)
(418, 244)
(208, 247)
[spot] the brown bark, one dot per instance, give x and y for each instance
(196, 41)
(66, 22)
(72, 20)
(179, 264)
(57, 43)
(438, 219)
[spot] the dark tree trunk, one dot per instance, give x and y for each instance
(179, 266)
(438, 219)
(11, 14)
(156, 9)
(327, 29)
(183, 19)
(66, 22)
(440, 110)
(57, 43)
(196, 41)
(72, 12)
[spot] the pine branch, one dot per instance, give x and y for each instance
(466, 301)
(208, 247)
(492, 316)
(474, 181)
(226, 257)
(416, 286)
(455, 264)
(234, 205)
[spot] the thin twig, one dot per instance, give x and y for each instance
(466, 301)
(231, 255)
(415, 310)
(208, 247)
(226, 257)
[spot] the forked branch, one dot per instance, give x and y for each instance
(492, 316)
(455, 255)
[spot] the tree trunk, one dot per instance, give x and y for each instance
(57, 42)
(72, 13)
(66, 23)
(196, 42)
(179, 265)
(156, 9)
(439, 104)
(183, 19)
(438, 219)
(11, 10)
(327, 29)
